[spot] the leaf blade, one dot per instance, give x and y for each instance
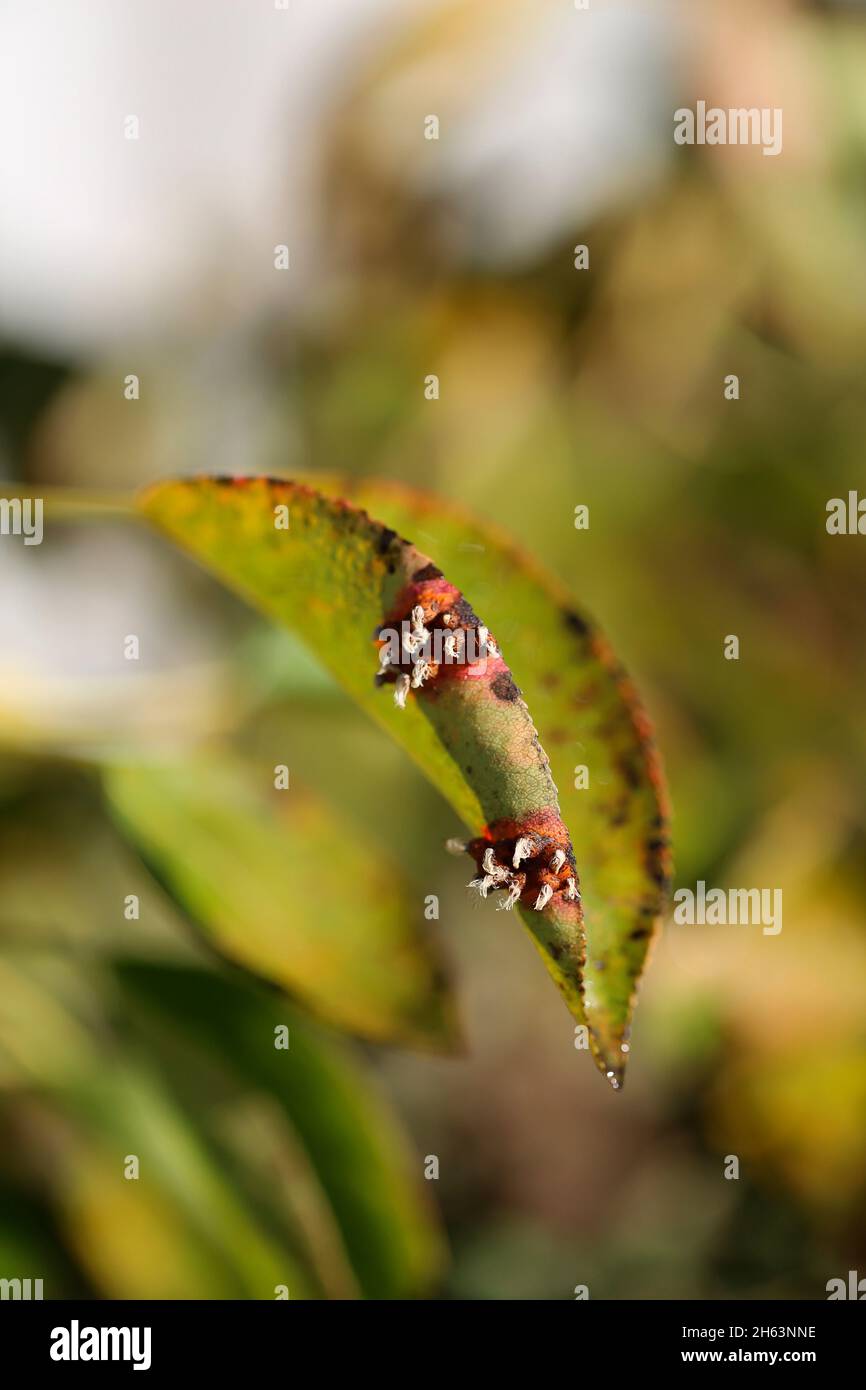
(586, 710)
(335, 577)
(579, 695)
(244, 865)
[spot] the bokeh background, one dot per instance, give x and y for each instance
(305, 126)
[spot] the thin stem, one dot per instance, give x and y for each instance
(67, 504)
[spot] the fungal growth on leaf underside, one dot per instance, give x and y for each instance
(430, 637)
(439, 633)
(529, 863)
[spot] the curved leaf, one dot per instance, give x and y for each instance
(339, 579)
(588, 713)
(279, 884)
(335, 576)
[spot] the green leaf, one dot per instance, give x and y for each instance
(45, 1014)
(281, 885)
(180, 1230)
(335, 577)
(65, 874)
(588, 713)
(354, 1145)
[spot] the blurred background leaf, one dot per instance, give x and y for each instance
(357, 1152)
(280, 884)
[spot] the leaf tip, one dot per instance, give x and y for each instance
(611, 1059)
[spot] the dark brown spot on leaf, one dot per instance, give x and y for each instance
(466, 613)
(575, 623)
(385, 539)
(503, 687)
(430, 571)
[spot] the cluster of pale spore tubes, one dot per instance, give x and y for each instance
(497, 875)
(415, 644)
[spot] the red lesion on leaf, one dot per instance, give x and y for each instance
(435, 595)
(531, 860)
(433, 604)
